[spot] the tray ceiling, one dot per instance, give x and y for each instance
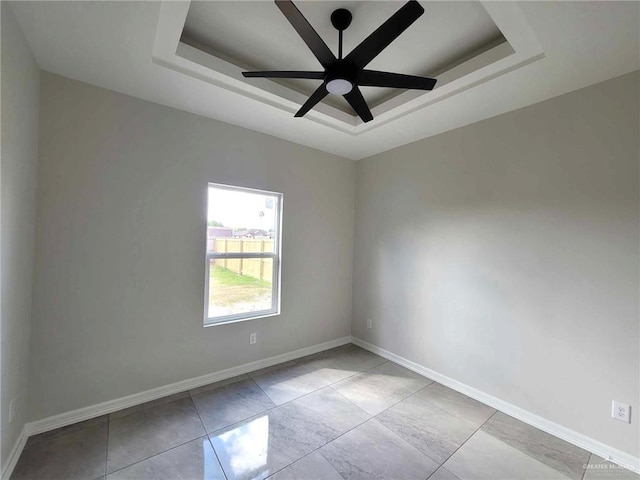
(134, 47)
(464, 45)
(255, 35)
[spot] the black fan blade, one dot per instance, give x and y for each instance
(313, 100)
(284, 74)
(385, 34)
(357, 102)
(373, 78)
(306, 31)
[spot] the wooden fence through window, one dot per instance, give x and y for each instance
(260, 268)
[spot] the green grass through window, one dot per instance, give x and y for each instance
(225, 277)
(227, 288)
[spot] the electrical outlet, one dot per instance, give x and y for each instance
(621, 411)
(252, 339)
(369, 323)
(12, 410)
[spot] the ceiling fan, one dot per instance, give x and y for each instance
(343, 76)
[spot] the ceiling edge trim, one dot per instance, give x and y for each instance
(522, 47)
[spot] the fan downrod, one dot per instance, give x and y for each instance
(341, 19)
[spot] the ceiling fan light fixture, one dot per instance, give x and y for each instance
(344, 76)
(339, 86)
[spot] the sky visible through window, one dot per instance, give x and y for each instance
(238, 209)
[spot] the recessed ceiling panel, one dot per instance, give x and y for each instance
(255, 35)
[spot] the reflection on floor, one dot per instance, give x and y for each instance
(343, 413)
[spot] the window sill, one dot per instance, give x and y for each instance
(242, 319)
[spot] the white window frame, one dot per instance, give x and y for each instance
(275, 256)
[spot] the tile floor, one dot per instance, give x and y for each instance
(343, 413)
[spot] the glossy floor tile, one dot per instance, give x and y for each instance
(226, 403)
(323, 415)
(343, 413)
(152, 431)
(313, 466)
(372, 451)
(259, 446)
(289, 382)
(79, 454)
(395, 374)
(483, 457)
(193, 460)
(427, 427)
(341, 362)
(443, 474)
(377, 389)
(58, 432)
(545, 448)
(457, 404)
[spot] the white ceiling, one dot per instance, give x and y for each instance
(255, 35)
(111, 44)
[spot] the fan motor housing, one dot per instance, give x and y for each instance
(341, 19)
(343, 69)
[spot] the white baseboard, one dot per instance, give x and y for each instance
(110, 406)
(587, 443)
(85, 413)
(14, 455)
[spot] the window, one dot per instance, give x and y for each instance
(242, 279)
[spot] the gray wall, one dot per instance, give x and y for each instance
(20, 90)
(118, 300)
(505, 255)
